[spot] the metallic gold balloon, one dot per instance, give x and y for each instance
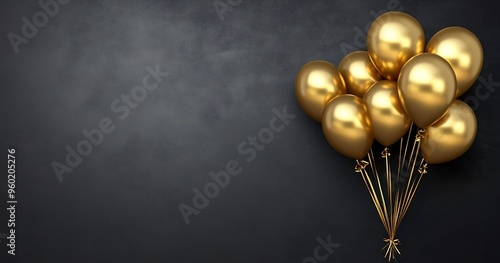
(388, 117)
(426, 86)
(347, 127)
(315, 85)
(462, 50)
(359, 72)
(392, 39)
(451, 136)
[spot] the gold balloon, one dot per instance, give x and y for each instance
(426, 86)
(347, 127)
(388, 117)
(359, 72)
(315, 85)
(392, 39)
(451, 136)
(462, 50)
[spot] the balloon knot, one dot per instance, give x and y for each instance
(420, 135)
(360, 166)
(386, 153)
(395, 242)
(423, 169)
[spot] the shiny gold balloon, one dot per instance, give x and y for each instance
(315, 85)
(388, 117)
(462, 50)
(392, 39)
(451, 136)
(426, 86)
(347, 127)
(359, 72)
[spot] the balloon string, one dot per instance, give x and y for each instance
(392, 242)
(401, 162)
(409, 191)
(381, 192)
(393, 205)
(360, 167)
(373, 165)
(411, 162)
(388, 178)
(421, 171)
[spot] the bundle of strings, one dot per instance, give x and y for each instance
(393, 198)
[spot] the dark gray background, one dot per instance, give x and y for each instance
(120, 204)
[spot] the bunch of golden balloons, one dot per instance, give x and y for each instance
(380, 93)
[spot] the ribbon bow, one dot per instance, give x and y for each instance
(391, 247)
(360, 166)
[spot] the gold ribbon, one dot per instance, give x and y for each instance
(392, 248)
